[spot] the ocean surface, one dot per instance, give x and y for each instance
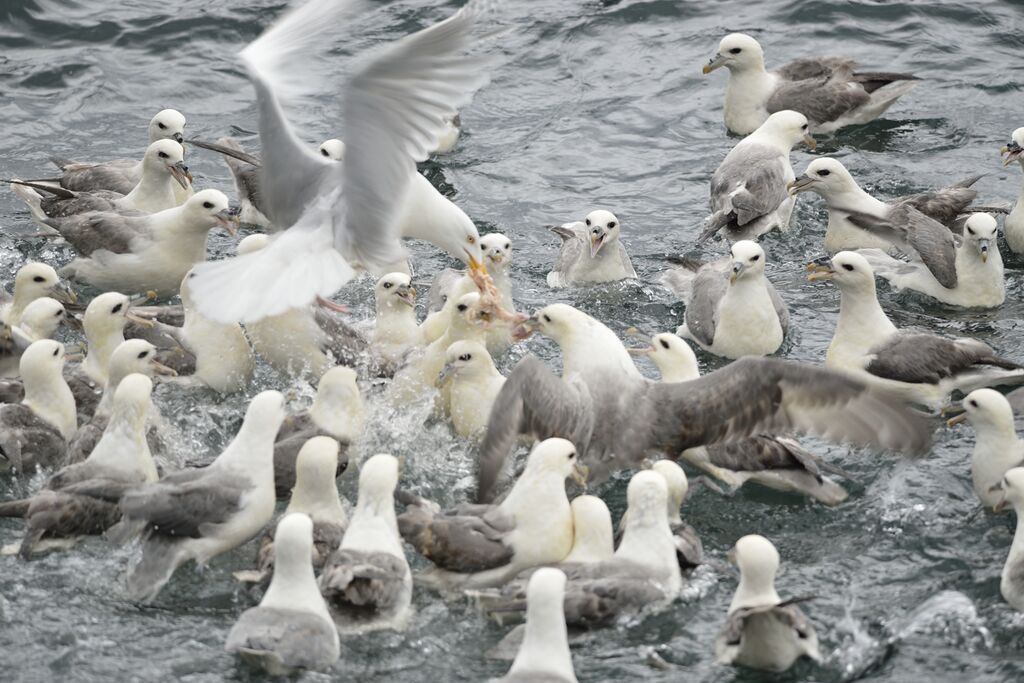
(591, 104)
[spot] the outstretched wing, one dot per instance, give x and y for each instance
(709, 286)
(917, 234)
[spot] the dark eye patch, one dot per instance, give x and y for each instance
(161, 126)
(756, 258)
(974, 404)
(664, 344)
(207, 205)
(143, 354)
(465, 356)
(735, 51)
(587, 221)
(39, 278)
(117, 308)
(162, 155)
(387, 285)
(324, 152)
(611, 224)
(847, 266)
(547, 318)
(463, 307)
(55, 352)
(824, 172)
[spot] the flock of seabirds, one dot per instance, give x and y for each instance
(523, 549)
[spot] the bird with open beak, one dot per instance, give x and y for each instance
(591, 252)
(1014, 149)
(1013, 227)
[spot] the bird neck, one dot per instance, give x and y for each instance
(997, 436)
(124, 445)
(968, 257)
(98, 351)
(153, 186)
(18, 304)
(595, 348)
(856, 199)
(376, 505)
(252, 451)
(51, 400)
(676, 370)
(647, 539)
(293, 585)
(545, 648)
(859, 311)
(755, 591)
(317, 496)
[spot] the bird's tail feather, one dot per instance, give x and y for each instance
(15, 508)
(160, 557)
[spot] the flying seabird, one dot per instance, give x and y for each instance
(337, 412)
(591, 252)
(1013, 227)
(31, 282)
(829, 91)
(920, 367)
(472, 384)
(749, 195)
(732, 310)
(81, 499)
(616, 417)
(477, 546)
(291, 628)
(830, 179)
(1011, 583)
(197, 514)
(367, 581)
(997, 447)
(344, 216)
(763, 631)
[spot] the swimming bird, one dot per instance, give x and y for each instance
(689, 549)
(593, 540)
(997, 447)
(367, 581)
(346, 215)
(829, 91)
(921, 367)
(749, 195)
(291, 628)
(81, 499)
(197, 514)
(591, 252)
(40, 320)
(675, 359)
(964, 272)
(477, 546)
(617, 417)
(144, 253)
(544, 654)
(763, 631)
(314, 494)
(732, 310)
(163, 166)
(1011, 582)
(830, 179)
(473, 383)
(337, 412)
(134, 356)
(35, 432)
(1013, 227)
(450, 136)
(395, 330)
(32, 281)
(119, 175)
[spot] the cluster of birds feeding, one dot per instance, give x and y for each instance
(521, 551)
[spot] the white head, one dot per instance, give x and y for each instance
(123, 445)
(1014, 151)
(555, 456)
(395, 291)
(338, 406)
(678, 485)
(784, 129)
(467, 314)
(378, 478)
(980, 234)
(131, 401)
(333, 149)
(1013, 490)
(758, 561)
(252, 243)
(986, 409)
(106, 316)
(315, 492)
(42, 317)
(747, 261)
(673, 356)
(647, 499)
(826, 177)
(167, 124)
(41, 363)
(848, 270)
(263, 419)
(135, 356)
(167, 156)
(36, 280)
(592, 526)
(561, 322)
(209, 208)
(737, 52)
(466, 359)
(603, 228)
(545, 648)
(293, 584)
(46, 392)
(497, 250)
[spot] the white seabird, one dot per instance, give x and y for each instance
(732, 310)
(675, 359)
(197, 514)
(291, 628)
(40, 320)
(593, 540)
(477, 546)
(347, 215)
(749, 195)
(920, 367)
(31, 282)
(830, 179)
(828, 90)
(472, 385)
(395, 330)
(763, 631)
(591, 252)
(367, 581)
(1011, 583)
(1013, 227)
(997, 447)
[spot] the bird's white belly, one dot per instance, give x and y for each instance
(747, 326)
(746, 103)
(471, 407)
(607, 267)
(223, 357)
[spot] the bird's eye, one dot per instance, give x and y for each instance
(117, 308)
(547, 318)
(587, 221)
(664, 344)
(465, 356)
(463, 307)
(207, 205)
(143, 354)
(471, 239)
(756, 257)
(973, 403)
(803, 127)
(161, 126)
(58, 314)
(611, 224)
(970, 230)
(572, 455)
(39, 278)
(824, 172)
(387, 285)
(735, 51)
(162, 155)
(847, 266)
(508, 245)
(324, 152)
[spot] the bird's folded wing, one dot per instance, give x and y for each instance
(921, 236)
(709, 286)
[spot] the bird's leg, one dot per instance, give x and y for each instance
(331, 306)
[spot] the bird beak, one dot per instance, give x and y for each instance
(810, 142)
(73, 357)
(737, 269)
(139, 320)
(956, 419)
(179, 138)
(62, 293)
(715, 62)
(640, 350)
(74, 322)
(496, 258)
(407, 294)
(580, 472)
(525, 328)
(476, 267)
(595, 244)
(161, 369)
(229, 221)
(1001, 503)
(801, 184)
(445, 374)
(983, 248)
(180, 173)
(1012, 151)
(820, 269)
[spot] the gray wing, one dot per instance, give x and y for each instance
(709, 286)
(285, 637)
(1016, 399)
(943, 205)
(679, 281)
(820, 99)
(286, 451)
(110, 230)
(814, 67)
(781, 309)
(627, 263)
(927, 358)
(573, 248)
(689, 549)
(765, 452)
(82, 202)
(750, 183)
(589, 602)
(917, 234)
(187, 503)
(169, 340)
(441, 287)
(363, 580)
(535, 402)
(786, 614)
(119, 175)
(456, 542)
(28, 442)
(57, 514)
(759, 395)
(344, 341)
(11, 391)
